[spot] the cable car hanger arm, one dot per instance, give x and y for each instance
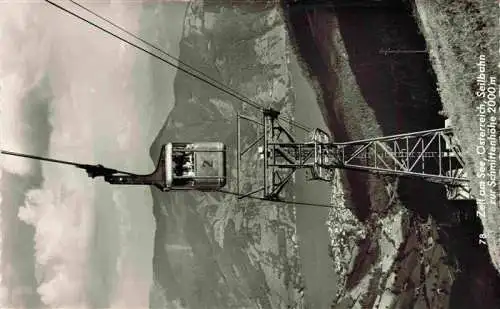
(93, 170)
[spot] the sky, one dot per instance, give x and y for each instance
(71, 92)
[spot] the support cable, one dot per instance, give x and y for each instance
(277, 201)
(199, 75)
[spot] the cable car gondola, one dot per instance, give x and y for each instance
(183, 166)
(200, 166)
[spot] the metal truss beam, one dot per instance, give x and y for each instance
(277, 152)
(432, 155)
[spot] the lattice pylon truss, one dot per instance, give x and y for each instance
(278, 155)
(432, 155)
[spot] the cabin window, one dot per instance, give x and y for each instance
(183, 164)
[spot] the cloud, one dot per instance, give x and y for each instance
(63, 226)
(132, 291)
(3, 288)
(93, 242)
(24, 52)
(23, 57)
(94, 117)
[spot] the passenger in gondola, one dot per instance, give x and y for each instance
(188, 167)
(178, 161)
(177, 158)
(178, 169)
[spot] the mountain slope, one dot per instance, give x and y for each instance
(212, 251)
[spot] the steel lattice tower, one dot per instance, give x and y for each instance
(432, 155)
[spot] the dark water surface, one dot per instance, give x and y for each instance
(401, 89)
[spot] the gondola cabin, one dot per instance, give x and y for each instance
(183, 166)
(198, 166)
